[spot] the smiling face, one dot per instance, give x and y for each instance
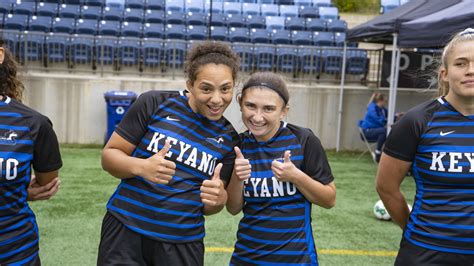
(211, 92)
(459, 72)
(262, 110)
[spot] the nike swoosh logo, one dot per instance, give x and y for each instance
(445, 133)
(172, 119)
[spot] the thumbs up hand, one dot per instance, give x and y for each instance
(242, 167)
(157, 169)
(212, 190)
(286, 170)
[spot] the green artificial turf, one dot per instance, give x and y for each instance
(70, 222)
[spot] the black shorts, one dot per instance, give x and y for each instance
(411, 255)
(122, 246)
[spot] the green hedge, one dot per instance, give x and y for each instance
(362, 6)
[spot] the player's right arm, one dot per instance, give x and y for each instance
(241, 172)
(117, 160)
(390, 174)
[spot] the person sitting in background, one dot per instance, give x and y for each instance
(374, 123)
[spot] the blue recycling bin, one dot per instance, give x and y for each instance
(118, 103)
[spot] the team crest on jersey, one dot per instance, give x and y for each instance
(216, 141)
(9, 138)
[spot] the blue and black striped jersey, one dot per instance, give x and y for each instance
(172, 212)
(276, 226)
(26, 139)
(439, 141)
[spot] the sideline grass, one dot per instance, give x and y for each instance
(70, 222)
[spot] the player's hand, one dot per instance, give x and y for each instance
(286, 170)
(39, 192)
(212, 190)
(242, 167)
(157, 169)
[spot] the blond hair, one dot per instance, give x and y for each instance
(465, 35)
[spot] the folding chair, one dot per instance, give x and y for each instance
(370, 144)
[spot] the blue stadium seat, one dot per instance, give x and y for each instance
(232, 8)
(322, 3)
(332, 60)
(256, 22)
(357, 62)
(245, 52)
(295, 24)
(40, 23)
(109, 28)
(238, 34)
(174, 54)
(91, 12)
(269, 10)
(309, 12)
(56, 48)
(138, 4)
(15, 22)
(236, 20)
(131, 29)
(275, 22)
(197, 32)
(105, 50)
(175, 31)
(281, 36)
(217, 7)
(301, 37)
(249, 1)
(74, 2)
(86, 26)
(69, 11)
(31, 47)
(6, 6)
(336, 25)
(64, 25)
(259, 36)
(316, 24)
(196, 6)
(288, 11)
(155, 4)
(99, 3)
(219, 33)
(175, 17)
(310, 60)
(284, 2)
(251, 9)
(328, 13)
(133, 15)
(47, 9)
(287, 59)
(115, 3)
(112, 13)
(266, 1)
(11, 40)
(218, 19)
(197, 19)
(151, 50)
(303, 2)
(323, 38)
(264, 57)
(129, 51)
(153, 30)
(24, 8)
(154, 16)
(339, 38)
(389, 8)
(81, 49)
(175, 5)
(388, 5)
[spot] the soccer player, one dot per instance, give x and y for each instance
(436, 139)
(173, 152)
(26, 139)
(280, 171)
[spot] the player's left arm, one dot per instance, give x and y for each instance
(316, 192)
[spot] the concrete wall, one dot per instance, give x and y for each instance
(76, 106)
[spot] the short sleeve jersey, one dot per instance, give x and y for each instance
(439, 141)
(172, 212)
(27, 140)
(276, 226)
